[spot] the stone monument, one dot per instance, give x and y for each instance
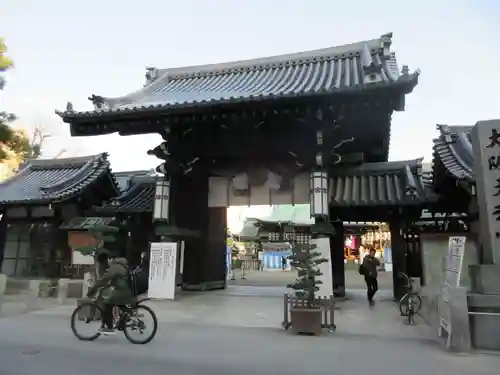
(484, 296)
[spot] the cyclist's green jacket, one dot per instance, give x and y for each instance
(115, 283)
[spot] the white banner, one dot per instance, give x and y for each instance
(323, 247)
(162, 270)
(452, 271)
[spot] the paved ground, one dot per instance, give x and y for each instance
(235, 332)
(278, 278)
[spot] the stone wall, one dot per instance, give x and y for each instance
(434, 250)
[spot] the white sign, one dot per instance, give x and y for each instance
(452, 271)
(79, 258)
(162, 270)
(323, 247)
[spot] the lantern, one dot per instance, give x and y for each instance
(162, 197)
(319, 194)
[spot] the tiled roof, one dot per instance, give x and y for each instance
(356, 66)
(124, 179)
(53, 180)
(453, 149)
(372, 184)
(139, 198)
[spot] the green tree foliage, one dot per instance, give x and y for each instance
(13, 144)
(105, 236)
(306, 261)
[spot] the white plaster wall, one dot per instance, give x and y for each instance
(222, 194)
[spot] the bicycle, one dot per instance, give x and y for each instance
(128, 319)
(410, 303)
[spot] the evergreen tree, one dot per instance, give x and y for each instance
(306, 261)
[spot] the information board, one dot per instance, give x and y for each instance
(162, 270)
(452, 271)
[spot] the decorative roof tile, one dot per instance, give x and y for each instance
(138, 198)
(372, 184)
(356, 66)
(44, 181)
(453, 149)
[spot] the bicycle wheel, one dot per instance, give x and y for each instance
(404, 303)
(136, 325)
(88, 316)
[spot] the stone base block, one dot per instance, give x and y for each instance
(484, 319)
(485, 278)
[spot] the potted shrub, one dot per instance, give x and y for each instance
(306, 313)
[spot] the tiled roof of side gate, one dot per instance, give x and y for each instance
(138, 198)
(53, 180)
(453, 149)
(356, 66)
(372, 184)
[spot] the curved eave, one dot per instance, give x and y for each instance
(404, 84)
(456, 160)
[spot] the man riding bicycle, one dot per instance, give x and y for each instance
(115, 291)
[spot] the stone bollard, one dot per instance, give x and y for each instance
(62, 291)
(32, 296)
(3, 287)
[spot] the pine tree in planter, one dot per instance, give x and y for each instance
(306, 314)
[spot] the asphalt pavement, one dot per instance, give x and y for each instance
(222, 334)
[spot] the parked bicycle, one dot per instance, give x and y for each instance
(130, 319)
(410, 303)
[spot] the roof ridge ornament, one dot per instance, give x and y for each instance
(151, 75)
(371, 70)
(97, 101)
(385, 43)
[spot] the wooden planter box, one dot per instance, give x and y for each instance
(306, 321)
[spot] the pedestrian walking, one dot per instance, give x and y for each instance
(369, 269)
(283, 264)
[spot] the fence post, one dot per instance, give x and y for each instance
(3, 287)
(331, 304)
(62, 290)
(32, 295)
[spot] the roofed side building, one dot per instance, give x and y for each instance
(370, 189)
(37, 199)
(134, 208)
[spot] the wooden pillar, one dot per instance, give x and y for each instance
(189, 210)
(215, 253)
(398, 246)
(204, 256)
(337, 259)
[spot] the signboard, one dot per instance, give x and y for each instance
(162, 270)
(81, 239)
(452, 271)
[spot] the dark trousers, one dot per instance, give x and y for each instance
(371, 287)
(107, 315)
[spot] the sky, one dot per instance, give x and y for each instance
(66, 51)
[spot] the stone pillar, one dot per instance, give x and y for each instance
(484, 298)
(337, 259)
(398, 247)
